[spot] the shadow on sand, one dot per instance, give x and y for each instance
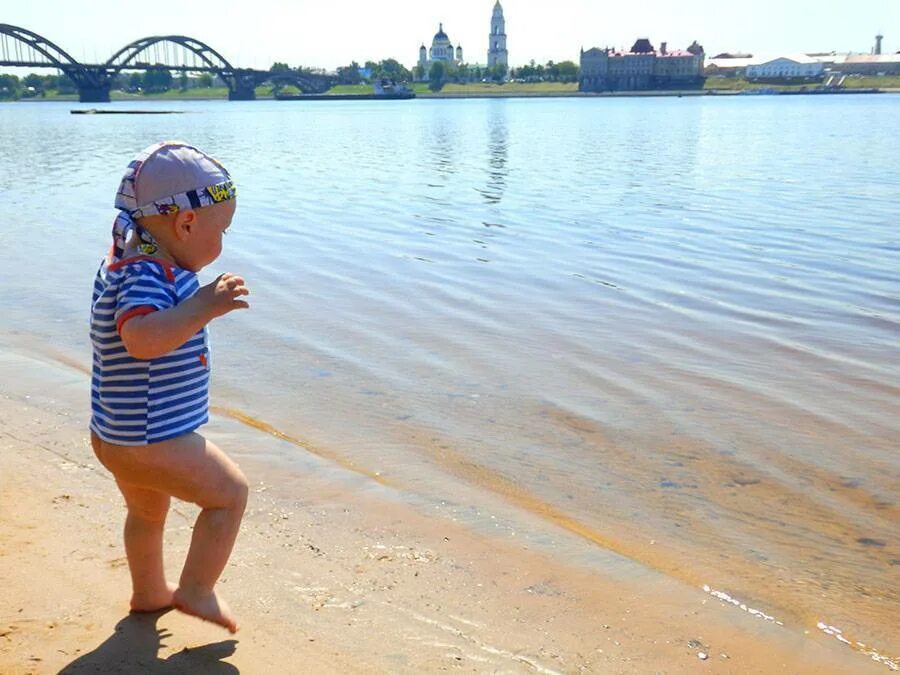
(134, 646)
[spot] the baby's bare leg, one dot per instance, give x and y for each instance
(192, 469)
(214, 534)
(147, 510)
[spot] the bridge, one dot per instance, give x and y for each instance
(22, 48)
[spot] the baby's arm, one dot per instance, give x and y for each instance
(157, 333)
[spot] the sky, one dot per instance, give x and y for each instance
(326, 35)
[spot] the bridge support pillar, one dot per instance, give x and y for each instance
(94, 93)
(242, 94)
(242, 85)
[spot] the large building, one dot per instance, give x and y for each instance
(642, 67)
(497, 54)
(872, 65)
(441, 52)
(796, 66)
(818, 66)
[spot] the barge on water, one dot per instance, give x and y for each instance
(95, 111)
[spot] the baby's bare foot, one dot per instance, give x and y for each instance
(153, 601)
(208, 607)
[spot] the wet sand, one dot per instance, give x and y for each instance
(334, 572)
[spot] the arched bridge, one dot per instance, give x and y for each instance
(20, 47)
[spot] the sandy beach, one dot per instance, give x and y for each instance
(331, 573)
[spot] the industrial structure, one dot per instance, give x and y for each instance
(20, 47)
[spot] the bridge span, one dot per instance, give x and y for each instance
(20, 47)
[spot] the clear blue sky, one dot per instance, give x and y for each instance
(328, 34)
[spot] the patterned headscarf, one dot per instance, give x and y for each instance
(210, 184)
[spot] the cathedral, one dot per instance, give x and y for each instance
(442, 50)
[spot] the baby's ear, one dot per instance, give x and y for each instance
(184, 223)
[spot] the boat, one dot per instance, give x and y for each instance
(385, 88)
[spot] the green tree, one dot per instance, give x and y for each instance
(551, 71)
(157, 80)
(135, 81)
(183, 81)
(419, 72)
(462, 72)
(436, 76)
(10, 87)
(206, 80)
(568, 71)
(66, 86)
(33, 85)
(498, 72)
(394, 70)
(349, 74)
(279, 67)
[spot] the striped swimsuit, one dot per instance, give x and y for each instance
(136, 401)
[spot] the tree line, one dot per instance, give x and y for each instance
(439, 73)
(154, 81)
(161, 80)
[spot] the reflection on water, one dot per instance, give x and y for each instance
(440, 145)
(654, 326)
(498, 139)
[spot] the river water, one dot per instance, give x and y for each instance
(666, 327)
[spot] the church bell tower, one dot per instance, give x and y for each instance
(497, 54)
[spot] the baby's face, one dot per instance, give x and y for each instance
(205, 243)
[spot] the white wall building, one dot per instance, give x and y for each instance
(799, 66)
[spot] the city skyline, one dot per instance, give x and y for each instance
(305, 33)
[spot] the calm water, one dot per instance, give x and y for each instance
(668, 327)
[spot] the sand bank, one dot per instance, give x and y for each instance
(331, 573)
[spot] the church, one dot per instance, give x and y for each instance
(442, 50)
(497, 54)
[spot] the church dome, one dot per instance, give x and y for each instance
(440, 35)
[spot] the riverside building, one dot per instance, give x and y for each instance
(441, 51)
(641, 67)
(497, 54)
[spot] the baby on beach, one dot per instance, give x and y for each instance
(150, 381)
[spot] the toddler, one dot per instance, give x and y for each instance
(149, 387)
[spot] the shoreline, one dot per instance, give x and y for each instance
(335, 568)
(722, 93)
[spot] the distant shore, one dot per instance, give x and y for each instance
(456, 95)
(713, 87)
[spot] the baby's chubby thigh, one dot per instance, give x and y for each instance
(188, 467)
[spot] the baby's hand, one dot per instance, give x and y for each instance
(222, 295)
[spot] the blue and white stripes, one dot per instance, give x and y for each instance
(135, 401)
